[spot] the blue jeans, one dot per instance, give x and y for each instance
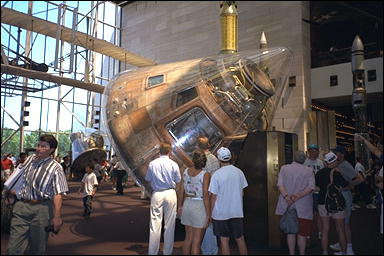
(87, 202)
(348, 205)
(209, 244)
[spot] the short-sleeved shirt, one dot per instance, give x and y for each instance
(295, 178)
(193, 185)
(212, 164)
(118, 166)
(90, 181)
(39, 179)
(98, 170)
(163, 173)
(323, 179)
(360, 168)
(227, 183)
(348, 172)
(316, 164)
(6, 164)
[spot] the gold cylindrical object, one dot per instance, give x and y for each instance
(229, 28)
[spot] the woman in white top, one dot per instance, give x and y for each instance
(194, 199)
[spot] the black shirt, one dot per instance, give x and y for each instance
(322, 180)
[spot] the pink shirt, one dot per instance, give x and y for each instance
(295, 178)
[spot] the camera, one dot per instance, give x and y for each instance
(50, 228)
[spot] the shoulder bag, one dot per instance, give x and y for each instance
(289, 222)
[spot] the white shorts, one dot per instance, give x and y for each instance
(324, 213)
(193, 214)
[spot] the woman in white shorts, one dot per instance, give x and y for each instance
(193, 203)
(323, 179)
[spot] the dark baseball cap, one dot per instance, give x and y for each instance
(313, 146)
(339, 149)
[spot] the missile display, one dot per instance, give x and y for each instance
(359, 99)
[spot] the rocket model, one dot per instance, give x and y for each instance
(228, 20)
(359, 98)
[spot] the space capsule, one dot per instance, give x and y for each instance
(220, 97)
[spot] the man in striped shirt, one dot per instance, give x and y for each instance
(38, 186)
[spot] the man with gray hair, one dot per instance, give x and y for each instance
(296, 183)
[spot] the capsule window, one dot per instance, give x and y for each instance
(186, 96)
(186, 129)
(155, 80)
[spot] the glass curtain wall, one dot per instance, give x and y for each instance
(55, 108)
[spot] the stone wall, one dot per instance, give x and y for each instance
(179, 30)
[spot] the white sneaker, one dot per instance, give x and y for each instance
(371, 206)
(335, 247)
(350, 250)
(356, 206)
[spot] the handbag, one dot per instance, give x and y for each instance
(289, 222)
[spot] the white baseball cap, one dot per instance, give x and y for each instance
(223, 154)
(330, 157)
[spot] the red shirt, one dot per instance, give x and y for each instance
(6, 164)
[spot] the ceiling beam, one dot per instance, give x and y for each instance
(17, 71)
(44, 27)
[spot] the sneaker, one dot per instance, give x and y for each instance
(335, 247)
(356, 206)
(339, 253)
(350, 250)
(371, 206)
(353, 208)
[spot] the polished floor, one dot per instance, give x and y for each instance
(119, 225)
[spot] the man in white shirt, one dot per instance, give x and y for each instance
(226, 189)
(163, 174)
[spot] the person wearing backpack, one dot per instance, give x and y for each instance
(354, 178)
(331, 201)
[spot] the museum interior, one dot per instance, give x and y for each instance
(264, 79)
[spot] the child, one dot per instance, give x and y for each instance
(88, 187)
